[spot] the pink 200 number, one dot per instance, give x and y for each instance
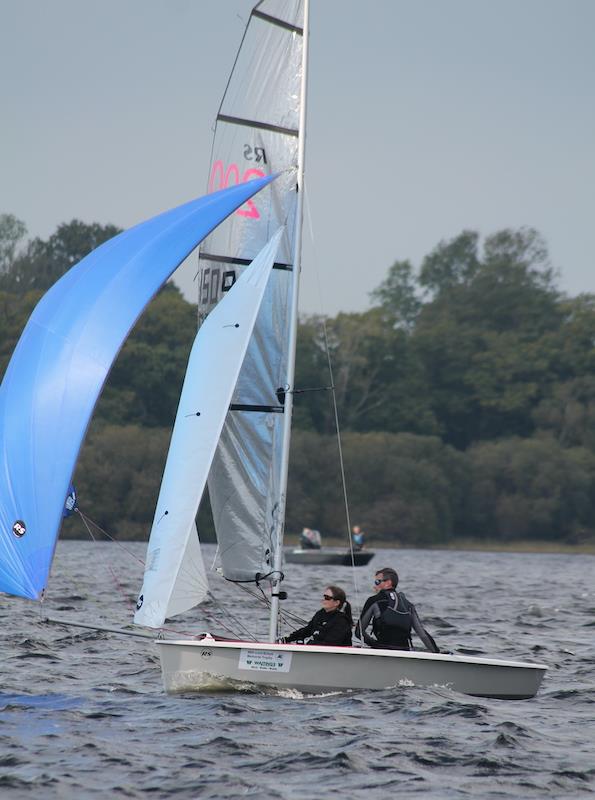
(222, 177)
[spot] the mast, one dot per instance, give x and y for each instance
(293, 328)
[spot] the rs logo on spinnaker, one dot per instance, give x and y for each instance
(19, 529)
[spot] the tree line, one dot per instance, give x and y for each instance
(466, 396)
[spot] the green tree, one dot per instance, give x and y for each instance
(313, 401)
(402, 488)
(12, 231)
(41, 263)
(118, 478)
(531, 489)
(573, 340)
(144, 385)
(568, 413)
(398, 296)
(405, 488)
(15, 310)
(485, 338)
(451, 263)
(314, 484)
(378, 384)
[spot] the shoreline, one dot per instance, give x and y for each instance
(588, 548)
(477, 545)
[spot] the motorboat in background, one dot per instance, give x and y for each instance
(329, 555)
(311, 551)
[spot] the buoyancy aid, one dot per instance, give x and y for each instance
(393, 626)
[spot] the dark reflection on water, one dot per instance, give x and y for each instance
(83, 714)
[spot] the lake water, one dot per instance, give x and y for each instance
(83, 714)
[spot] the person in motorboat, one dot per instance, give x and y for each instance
(331, 625)
(392, 617)
(358, 537)
(310, 539)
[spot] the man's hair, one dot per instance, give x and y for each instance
(389, 574)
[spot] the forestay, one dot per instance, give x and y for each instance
(60, 364)
(256, 134)
(175, 578)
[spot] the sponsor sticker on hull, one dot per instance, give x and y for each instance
(265, 660)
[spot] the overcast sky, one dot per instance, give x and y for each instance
(425, 118)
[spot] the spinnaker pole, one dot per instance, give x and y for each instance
(293, 328)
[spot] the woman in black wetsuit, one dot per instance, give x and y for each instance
(329, 626)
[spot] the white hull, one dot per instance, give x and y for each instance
(208, 665)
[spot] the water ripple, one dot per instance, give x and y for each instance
(83, 713)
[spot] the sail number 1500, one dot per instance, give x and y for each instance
(213, 283)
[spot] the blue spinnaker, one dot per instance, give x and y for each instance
(70, 505)
(59, 367)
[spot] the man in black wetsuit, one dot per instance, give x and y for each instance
(392, 617)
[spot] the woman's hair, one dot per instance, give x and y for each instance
(345, 607)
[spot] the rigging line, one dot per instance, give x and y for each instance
(131, 602)
(262, 598)
(210, 596)
(107, 535)
(341, 462)
(184, 572)
(334, 396)
(215, 559)
(219, 605)
(259, 577)
(230, 77)
(285, 615)
(117, 584)
(232, 616)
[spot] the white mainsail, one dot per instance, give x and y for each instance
(175, 578)
(257, 133)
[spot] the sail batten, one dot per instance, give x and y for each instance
(252, 123)
(244, 407)
(276, 21)
(241, 262)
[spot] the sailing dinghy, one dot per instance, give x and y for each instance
(260, 129)
(234, 420)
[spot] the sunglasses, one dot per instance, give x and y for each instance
(378, 581)
(327, 597)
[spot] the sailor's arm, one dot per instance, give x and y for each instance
(301, 633)
(365, 619)
(427, 641)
